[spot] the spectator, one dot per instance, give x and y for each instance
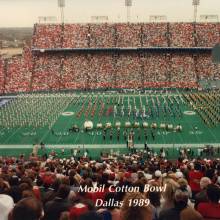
(202, 195)
(54, 208)
(180, 203)
(28, 208)
(143, 212)
(195, 176)
(6, 205)
(211, 209)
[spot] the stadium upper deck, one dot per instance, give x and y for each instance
(126, 35)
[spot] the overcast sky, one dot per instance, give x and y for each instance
(24, 13)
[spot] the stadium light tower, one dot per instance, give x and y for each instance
(61, 5)
(195, 4)
(128, 4)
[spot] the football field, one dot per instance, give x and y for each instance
(104, 120)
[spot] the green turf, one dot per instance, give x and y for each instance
(194, 130)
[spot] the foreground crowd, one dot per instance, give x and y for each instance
(51, 189)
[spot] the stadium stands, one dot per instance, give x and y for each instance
(2, 77)
(154, 35)
(102, 35)
(47, 36)
(128, 72)
(206, 68)
(183, 69)
(128, 35)
(18, 76)
(208, 34)
(182, 35)
(155, 68)
(37, 71)
(53, 187)
(76, 36)
(46, 73)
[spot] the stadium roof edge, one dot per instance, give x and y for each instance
(117, 49)
(99, 23)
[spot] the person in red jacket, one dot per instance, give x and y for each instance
(211, 209)
(195, 176)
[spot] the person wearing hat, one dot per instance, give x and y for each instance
(157, 178)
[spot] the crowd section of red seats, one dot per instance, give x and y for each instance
(182, 35)
(126, 35)
(2, 78)
(82, 71)
(55, 71)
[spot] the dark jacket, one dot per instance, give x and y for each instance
(54, 208)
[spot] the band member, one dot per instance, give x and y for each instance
(110, 134)
(139, 134)
(118, 134)
(125, 134)
(104, 135)
(62, 151)
(152, 135)
(145, 134)
(145, 145)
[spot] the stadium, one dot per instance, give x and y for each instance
(114, 104)
(161, 88)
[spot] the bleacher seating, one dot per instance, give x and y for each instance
(40, 70)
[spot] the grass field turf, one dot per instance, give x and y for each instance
(194, 130)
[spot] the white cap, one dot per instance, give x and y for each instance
(158, 173)
(179, 174)
(6, 205)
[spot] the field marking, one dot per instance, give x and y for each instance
(17, 129)
(109, 146)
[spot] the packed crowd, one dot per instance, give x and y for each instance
(155, 68)
(183, 68)
(75, 36)
(102, 36)
(135, 186)
(207, 34)
(47, 36)
(51, 72)
(126, 35)
(15, 72)
(46, 73)
(18, 76)
(34, 72)
(80, 71)
(182, 35)
(154, 35)
(128, 71)
(2, 78)
(206, 68)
